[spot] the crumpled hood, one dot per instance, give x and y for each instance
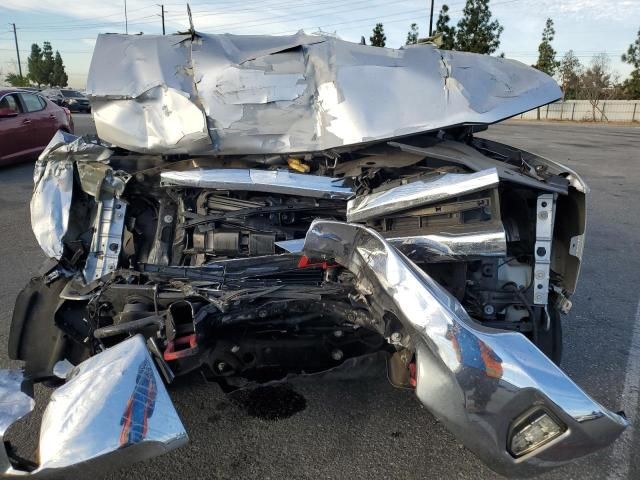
(236, 94)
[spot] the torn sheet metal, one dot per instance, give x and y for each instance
(53, 188)
(532, 159)
(457, 152)
(232, 94)
(254, 180)
(419, 193)
(113, 410)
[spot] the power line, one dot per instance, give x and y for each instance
(83, 21)
(84, 26)
(287, 17)
(289, 5)
(60, 50)
(376, 19)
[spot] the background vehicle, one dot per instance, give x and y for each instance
(27, 123)
(72, 99)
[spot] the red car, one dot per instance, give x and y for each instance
(27, 123)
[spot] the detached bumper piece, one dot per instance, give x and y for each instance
(112, 411)
(500, 395)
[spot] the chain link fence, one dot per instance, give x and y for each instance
(586, 111)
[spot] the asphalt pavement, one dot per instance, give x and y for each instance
(362, 427)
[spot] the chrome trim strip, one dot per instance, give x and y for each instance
(481, 241)
(418, 193)
(255, 180)
(474, 379)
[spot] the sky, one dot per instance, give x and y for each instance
(588, 27)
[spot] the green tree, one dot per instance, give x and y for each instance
(476, 32)
(570, 71)
(448, 31)
(59, 77)
(547, 62)
(378, 38)
(412, 35)
(631, 86)
(16, 80)
(34, 63)
(48, 62)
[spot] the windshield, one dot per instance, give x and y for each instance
(71, 93)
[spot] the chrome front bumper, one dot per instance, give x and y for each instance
(112, 411)
(480, 382)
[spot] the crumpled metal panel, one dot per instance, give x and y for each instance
(53, 188)
(254, 180)
(143, 94)
(233, 94)
(462, 154)
(112, 411)
(475, 380)
(419, 193)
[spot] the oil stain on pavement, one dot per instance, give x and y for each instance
(270, 402)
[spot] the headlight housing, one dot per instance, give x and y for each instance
(532, 430)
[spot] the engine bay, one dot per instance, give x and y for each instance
(205, 258)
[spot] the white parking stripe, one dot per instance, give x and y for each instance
(623, 447)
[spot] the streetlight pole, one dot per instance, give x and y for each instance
(126, 21)
(15, 37)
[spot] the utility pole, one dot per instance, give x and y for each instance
(431, 20)
(126, 21)
(15, 37)
(162, 7)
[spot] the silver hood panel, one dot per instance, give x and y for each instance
(233, 94)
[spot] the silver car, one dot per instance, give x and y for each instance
(258, 207)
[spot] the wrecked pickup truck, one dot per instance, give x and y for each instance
(255, 207)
